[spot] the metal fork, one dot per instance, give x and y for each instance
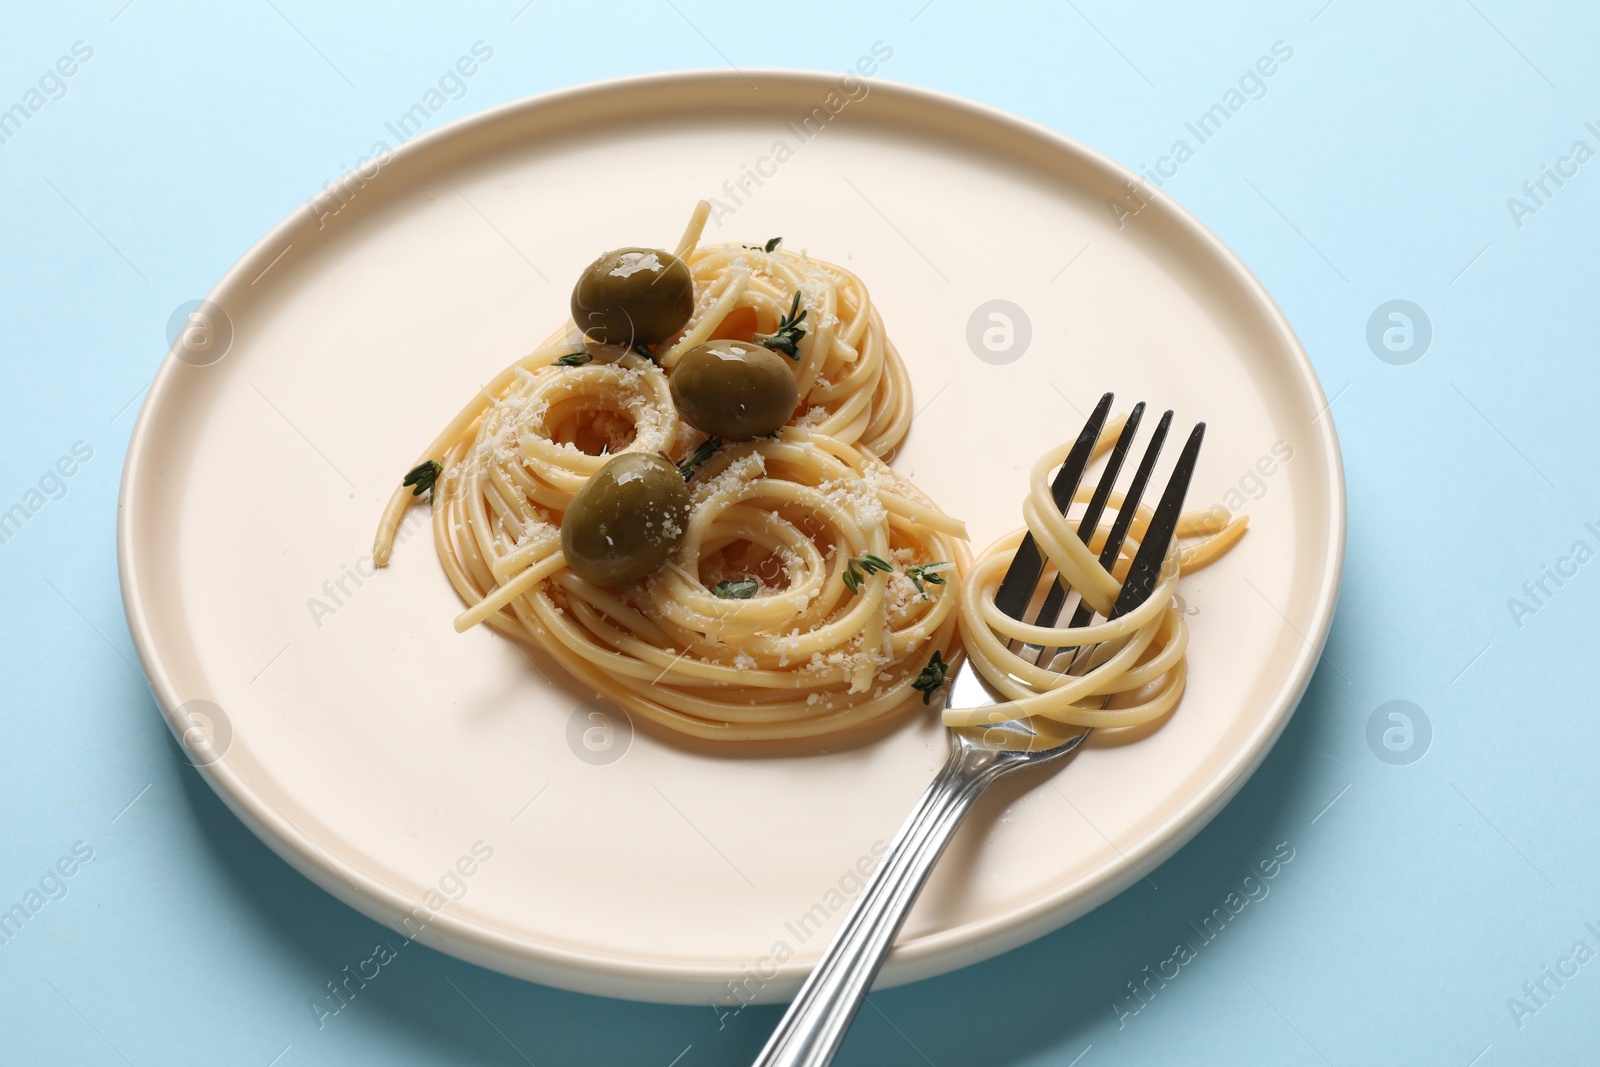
(815, 1024)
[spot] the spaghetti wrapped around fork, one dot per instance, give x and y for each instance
(1134, 670)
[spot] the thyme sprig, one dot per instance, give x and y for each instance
(786, 338)
(860, 566)
(736, 588)
(422, 477)
(769, 247)
(691, 463)
(933, 676)
(926, 572)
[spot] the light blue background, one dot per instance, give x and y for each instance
(1376, 167)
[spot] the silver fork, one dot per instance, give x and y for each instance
(814, 1026)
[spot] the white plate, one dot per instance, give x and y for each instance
(371, 746)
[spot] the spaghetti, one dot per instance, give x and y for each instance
(1133, 669)
(808, 590)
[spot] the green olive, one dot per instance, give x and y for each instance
(633, 296)
(734, 389)
(626, 520)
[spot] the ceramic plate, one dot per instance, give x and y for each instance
(462, 790)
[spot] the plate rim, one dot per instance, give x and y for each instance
(684, 982)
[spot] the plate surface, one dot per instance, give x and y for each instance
(462, 792)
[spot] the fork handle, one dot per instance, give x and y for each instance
(815, 1024)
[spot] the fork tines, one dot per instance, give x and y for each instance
(1018, 587)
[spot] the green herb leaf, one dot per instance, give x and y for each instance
(422, 477)
(923, 573)
(691, 463)
(932, 677)
(736, 589)
(574, 359)
(786, 338)
(860, 566)
(770, 246)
